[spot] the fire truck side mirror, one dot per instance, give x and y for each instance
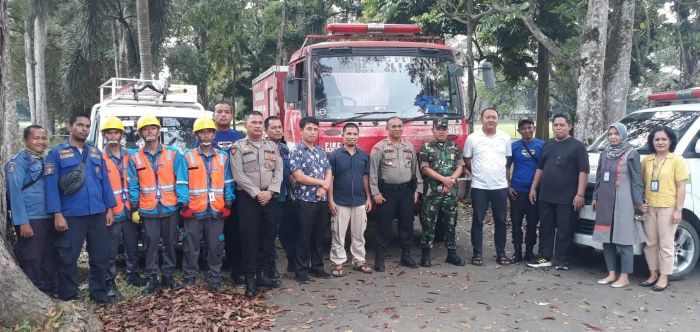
(291, 89)
(455, 69)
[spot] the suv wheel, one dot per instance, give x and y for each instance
(687, 249)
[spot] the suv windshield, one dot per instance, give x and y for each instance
(176, 132)
(639, 126)
(397, 85)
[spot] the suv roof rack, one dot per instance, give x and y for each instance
(132, 89)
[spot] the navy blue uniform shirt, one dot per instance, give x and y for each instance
(348, 173)
(94, 197)
(284, 188)
(30, 203)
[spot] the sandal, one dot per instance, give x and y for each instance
(338, 271)
(503, 261)
(478, 261)
(362, 267)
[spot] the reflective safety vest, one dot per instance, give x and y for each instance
(159, 185)
(118, 180)
(206, 188)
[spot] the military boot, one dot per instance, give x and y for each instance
(407, 260)
(170, 282)
(151, 285)
(134, 279)
(250, 285)
(453, 258)
(263, 280)
(425, 258)
(112, 290)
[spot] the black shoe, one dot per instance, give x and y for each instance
(302, 278)
(135, 280)
(425, 258)
(379, 262)
(250, 286)
(562, 266)
(215, 287)
(263, 280)
(529, 256)
(151, 286)
(170, 282)
(103, 300)
(189, 282)
(453, 258)
(408, 261)
(320, 274)
(238, 279)
(112, 291)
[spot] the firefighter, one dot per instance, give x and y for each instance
(123, 229)
(153, 173)
(33, 225)
(80, 197)
(210, 186)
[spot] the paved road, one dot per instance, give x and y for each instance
(488, 298)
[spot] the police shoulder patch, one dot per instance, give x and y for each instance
(11, 167)
(48, 169)
(233, 149)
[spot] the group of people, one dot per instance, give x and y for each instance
(237, 194)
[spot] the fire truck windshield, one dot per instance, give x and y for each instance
(399, 85)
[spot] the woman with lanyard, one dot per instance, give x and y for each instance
(665, 175)
(618, 191)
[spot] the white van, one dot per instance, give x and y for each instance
(684, 119)
(174, 105)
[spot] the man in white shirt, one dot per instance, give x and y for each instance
(485, 154)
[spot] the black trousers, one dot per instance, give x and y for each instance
(69, 243)
(481, 198)
(211, 229)
(156, 229)
(232, 245)
(521, 207)
(257, 233)
(314, 222)
(399, 204)
(125, 232)
(287, 225)
(557, 222)
(36, 255)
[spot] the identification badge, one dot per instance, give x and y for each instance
(654, 185)
(211, 197)
(606, 177)
(158, 193)
(124, 196)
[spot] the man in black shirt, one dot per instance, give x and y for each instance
(561, 178)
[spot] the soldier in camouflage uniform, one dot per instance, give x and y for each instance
(441, 163)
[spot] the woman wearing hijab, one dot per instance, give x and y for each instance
(618, 191)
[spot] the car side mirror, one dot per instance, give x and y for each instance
(291, 89)
(455, 69)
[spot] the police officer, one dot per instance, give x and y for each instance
(153, 173)
(441, 163)
(210, 186)
(395, 187)
(33, 224)
(257, 170)
(123, 229)
(76, 174)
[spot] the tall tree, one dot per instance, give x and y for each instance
(618, 58)
(40, 18)
(144, 29)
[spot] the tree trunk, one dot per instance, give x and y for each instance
(280, 35)
(618, 57)
(542, 126)
(42, 116)
(21, 301)
(29, 66)
(144, 30)
(115, 46)
(471, 89)
(123, 52)
(589, 99)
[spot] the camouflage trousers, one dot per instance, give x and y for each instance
(435, 203)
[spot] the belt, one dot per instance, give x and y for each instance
(383, 186)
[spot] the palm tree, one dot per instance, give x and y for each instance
(144, 28)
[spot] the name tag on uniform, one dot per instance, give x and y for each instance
(606, 177)
(211, 197)
(654, 185)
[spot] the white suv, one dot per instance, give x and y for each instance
(684, 119)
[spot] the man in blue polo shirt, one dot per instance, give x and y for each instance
(349, 201)
(526, 153)
(81, 206)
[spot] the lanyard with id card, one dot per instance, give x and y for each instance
(654, 185)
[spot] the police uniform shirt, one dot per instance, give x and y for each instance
(30, 203)
(94, 197)
(393, 164)
(256, 166)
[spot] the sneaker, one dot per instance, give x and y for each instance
(540, 262)
(562, 266)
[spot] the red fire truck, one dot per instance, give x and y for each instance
(365, 74)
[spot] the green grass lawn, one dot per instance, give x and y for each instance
(509, 127)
